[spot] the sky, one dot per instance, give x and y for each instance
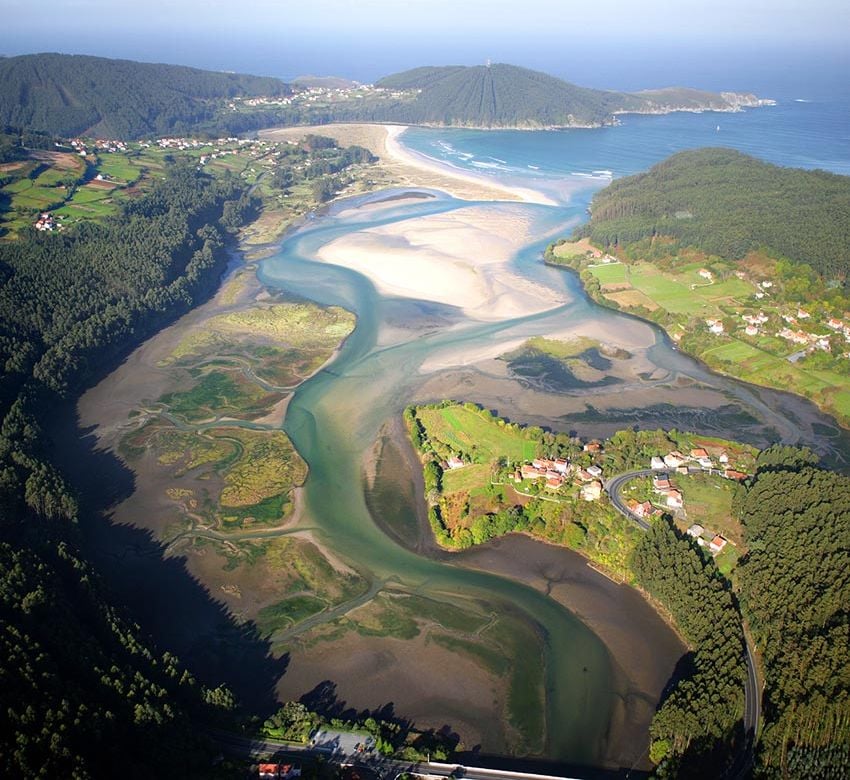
(602, 43)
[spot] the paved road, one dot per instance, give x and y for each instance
(385, 768)
(752, 694)
(614, 485)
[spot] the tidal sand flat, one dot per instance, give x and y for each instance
(459, 258)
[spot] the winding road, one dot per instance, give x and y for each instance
(752, 694)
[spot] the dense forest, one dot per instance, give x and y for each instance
(498, 95)
(695, 729)
(793, 588)
(726, 203)
(69, 95)
(69, 303)
(795, 592)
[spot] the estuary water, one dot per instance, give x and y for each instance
(335, 417)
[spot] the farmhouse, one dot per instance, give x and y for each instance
(717, 544)
(661, 483)
(674, 459)
(674, 499)
(639, 509)
(454, 462)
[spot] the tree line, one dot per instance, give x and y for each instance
(85, 695)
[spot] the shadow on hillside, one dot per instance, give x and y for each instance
(162, 596)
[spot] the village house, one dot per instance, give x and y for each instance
(454, 462)
(640, 509)
(715, 327)
(696, 531)
(661, 483)
(278, 771)
(751, 330)
(835, 324)
(594, 471)
(803, 315)
(531, 472)
(675, 499)
(562, 465)
(674, 459)
(593, 447)
(706, 274)
(698, 453)
(794, 336)
(736, 475)
(723, 458)
(717, 544)
(592, 491)
(554, 482)
(657, 464)
(584, 475)
(46, 222)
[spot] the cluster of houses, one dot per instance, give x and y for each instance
(276, 771)
(194, 143)
(47, 222)
(753, 325)
(682, 464)
(555, 472)
(714, 542)
(322, 94)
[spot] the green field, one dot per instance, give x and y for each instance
(468, 478)
(475, 433)
(668, 293)
(611, 273)
(708, 501)
(118, 166)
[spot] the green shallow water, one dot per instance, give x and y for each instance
(334, 419)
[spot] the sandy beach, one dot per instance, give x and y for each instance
(406, 168)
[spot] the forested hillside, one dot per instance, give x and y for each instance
(499, 95)
(695, 730)
(84, 695)
(70, 95)
(726, 203)
(795, 592)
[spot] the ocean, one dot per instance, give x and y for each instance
(570, 165)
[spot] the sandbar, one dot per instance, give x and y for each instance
(459, 258)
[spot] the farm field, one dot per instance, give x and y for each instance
(683, 302)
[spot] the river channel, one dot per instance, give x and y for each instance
(336, 416)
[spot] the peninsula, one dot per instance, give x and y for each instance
(743, 263)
